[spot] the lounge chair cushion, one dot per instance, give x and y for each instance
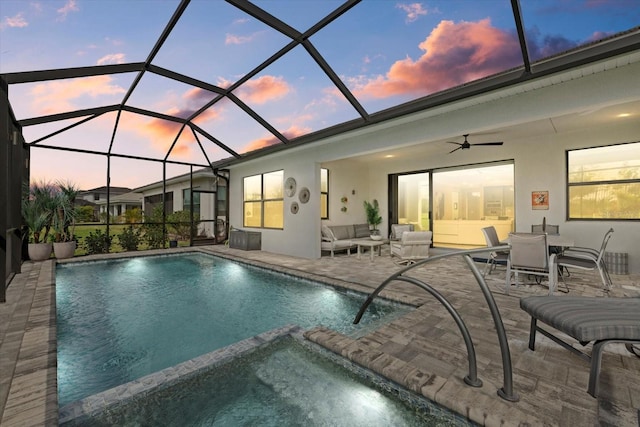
(587, 318)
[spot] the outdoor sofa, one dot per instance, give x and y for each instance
(343, 237)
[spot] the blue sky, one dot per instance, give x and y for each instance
(386, 52)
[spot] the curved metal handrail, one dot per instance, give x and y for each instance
(506, 392)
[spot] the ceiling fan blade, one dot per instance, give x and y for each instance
(453, 142)
(489, 143)
(456, 149)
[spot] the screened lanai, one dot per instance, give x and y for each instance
(95, 93)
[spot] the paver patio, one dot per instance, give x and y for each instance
(423, 350)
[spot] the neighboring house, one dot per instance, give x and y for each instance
(209, 199)
(119, 205)
(97, 197)
(100, 193)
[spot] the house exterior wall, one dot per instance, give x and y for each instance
(206, 207)
(539, 161)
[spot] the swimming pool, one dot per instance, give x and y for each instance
(274, 379)
(119, 320)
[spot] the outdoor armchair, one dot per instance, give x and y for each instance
(413, 245)
(398, 229)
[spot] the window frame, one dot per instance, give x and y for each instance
(186, 200)
(325, 194)
(585, 184)
(262, 200)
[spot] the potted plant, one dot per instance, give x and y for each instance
(63, 221)
(37, 208)
(373, 218)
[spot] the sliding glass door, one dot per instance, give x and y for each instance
(456, 203)
(413, 198)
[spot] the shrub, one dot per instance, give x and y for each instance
(133, 215)
(98, 243)
(130, 238)
(154, 235)
(180, 223)
(85, 213)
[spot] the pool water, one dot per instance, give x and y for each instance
(281, 384)
(119, 320)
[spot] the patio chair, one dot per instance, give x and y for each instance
(495, 257)
(529, 255)
(398, 229)
(550, 229)
(587, 259)
(412, 246)
(586, 319)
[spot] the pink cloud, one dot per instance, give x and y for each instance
(454, 54)
(413, 11)
(263, 89)
(59, 96)
(161, 133)
(291, 133)
(70, 6)
(233, 39)
(114, 58)
(17, 21)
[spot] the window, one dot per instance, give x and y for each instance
(151, 202)
(186, 201)
(604, 182)
(324, 193)
(263, 200)
(222, 200)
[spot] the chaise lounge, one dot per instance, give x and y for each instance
(586, 319)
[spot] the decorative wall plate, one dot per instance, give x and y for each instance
(304, 195)
(294, 207)
(290, 186)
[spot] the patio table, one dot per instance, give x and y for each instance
(372, 245)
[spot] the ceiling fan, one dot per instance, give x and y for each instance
(465, 144)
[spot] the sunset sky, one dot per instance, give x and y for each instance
(385, 52)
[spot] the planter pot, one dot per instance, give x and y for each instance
(64, 250)
(376, 237)
(39, 251)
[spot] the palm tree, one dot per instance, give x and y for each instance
(64, 214)
(38, 205)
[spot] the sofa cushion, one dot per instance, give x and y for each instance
(327, 234)
(342, 232)
(361, 230)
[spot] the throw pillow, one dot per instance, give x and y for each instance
(328, 234)
(362, 230)
(398, 229)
